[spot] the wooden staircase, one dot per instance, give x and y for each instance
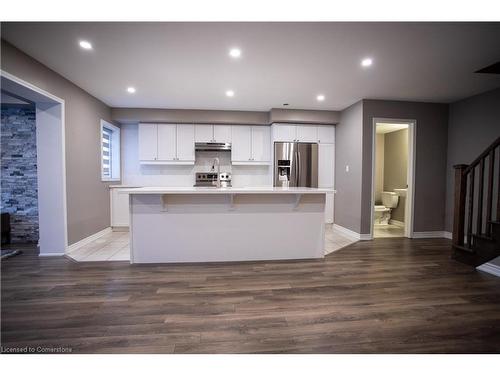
(476, 222)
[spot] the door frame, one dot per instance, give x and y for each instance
(51, 162)
(410, 194)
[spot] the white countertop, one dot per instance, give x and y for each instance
(211, 190)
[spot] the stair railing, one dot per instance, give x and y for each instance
(469, 203)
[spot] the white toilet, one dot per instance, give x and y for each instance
(383, 212)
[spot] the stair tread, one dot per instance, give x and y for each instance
(484, 237)
(464, 248)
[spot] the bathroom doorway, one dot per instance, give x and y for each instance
(392, 178)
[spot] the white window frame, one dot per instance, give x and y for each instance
(115, 151)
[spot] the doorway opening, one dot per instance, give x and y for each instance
(392, 178)
(50, 162)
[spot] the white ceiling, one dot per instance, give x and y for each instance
(186, 65)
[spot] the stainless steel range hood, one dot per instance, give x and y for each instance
(212, 146)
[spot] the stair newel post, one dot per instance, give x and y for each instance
(459, 205)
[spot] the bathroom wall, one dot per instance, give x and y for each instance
(396, 167)
(379, 167)
(19, 171)
(133, 173)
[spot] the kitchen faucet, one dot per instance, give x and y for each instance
(217, 161)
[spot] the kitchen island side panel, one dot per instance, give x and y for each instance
(176, 228)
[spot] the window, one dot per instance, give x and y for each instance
(110, 152)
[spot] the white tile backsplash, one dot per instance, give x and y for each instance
(133, 173)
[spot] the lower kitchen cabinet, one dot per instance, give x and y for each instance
(119, 207)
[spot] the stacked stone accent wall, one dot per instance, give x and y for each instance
(19, 171)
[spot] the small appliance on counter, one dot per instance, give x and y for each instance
(209, 179)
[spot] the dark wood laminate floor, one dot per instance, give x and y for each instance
(383, 296)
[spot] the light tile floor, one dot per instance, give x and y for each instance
(388, 230)
(116, 246)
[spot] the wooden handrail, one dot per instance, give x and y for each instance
(483, 155)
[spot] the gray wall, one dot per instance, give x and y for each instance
(474, 123)
(19, 171)
(396, 167)
(348, 151)
(430, 173)
(87, 197)
(354, 148)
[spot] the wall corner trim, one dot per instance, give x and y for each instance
(352, 234)
(87, 240)
(490, 268)
(433, 234)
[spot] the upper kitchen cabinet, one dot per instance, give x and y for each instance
(213, 133)
(303, 133)
(251, 145)
(166, 144)
(284, 133)
(307, 133)
(326, 134)
(148, 138)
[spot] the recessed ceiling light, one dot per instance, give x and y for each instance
(320, 98)
(130, 90)
(235, 53)
(230, 93)
(85, 44)
(366, 62)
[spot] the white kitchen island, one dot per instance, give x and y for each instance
(175, 225)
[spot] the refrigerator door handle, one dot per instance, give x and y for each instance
(298, 167)
(295, 169)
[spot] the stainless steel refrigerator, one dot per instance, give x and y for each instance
(295, 164)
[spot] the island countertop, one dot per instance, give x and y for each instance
(231, 190)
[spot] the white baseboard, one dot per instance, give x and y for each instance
(397, 223)
(87, 240)
(448, 235)
(352, 234)
(490, 268)
(51, 255)
(434, 234)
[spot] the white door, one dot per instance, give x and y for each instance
(204, 133)
(185, 142)
(222, 133)
(307, 133)
(148, 148)
(261, 143)
(284, 133)
(166, 141)
(326, 160)
(119, 208)
(326, 134)
(241, 149)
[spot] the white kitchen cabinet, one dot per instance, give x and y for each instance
(166, 142)
(326, 134)
(204, 133)
(222, 133)
(284, 133)
(148, 137)
(251, 145)
(329, 208)
(326, 165)
(185, 143)
(307, 133)
(119, 208)
(241, 148)
(261, 144)
(326, 175)
(295, 133)
(213, 133)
